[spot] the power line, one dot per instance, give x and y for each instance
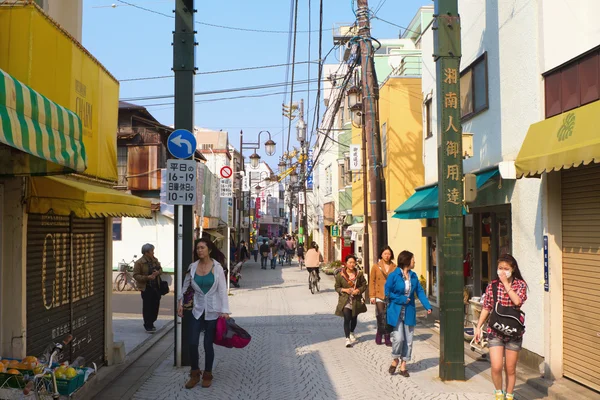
(396, 25)
(222, 71)
(317, 115)
(234, 28)
(220, 91)
(293, 71)
(287, 70)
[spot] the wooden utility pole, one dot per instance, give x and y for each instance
(304, 155)
(370, 98)
(184, 67)
(447, 49)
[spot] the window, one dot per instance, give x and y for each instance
(384, 144)
(117, 229)
(207, 146)
(572, 85)
(474, 88)
(348, 175)
(122, 166)
(428, 128)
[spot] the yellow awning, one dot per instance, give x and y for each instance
(563, 141)
(63, 196)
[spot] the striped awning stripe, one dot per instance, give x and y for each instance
(36, 125)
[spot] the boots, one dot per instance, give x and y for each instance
(378, 338)
(388, 341)
(194, 379)
(207, 377)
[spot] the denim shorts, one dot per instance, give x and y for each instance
(514, 344)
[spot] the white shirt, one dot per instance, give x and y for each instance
(215, 301)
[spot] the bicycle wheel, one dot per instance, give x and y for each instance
(317, 284)
(312, 282)
(44, 389)
(121, 282)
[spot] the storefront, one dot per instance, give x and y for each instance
(487, 230)
(563, 150)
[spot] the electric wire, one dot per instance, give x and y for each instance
(309, 57)
(317, 115)
(293, 72)
(287, 70)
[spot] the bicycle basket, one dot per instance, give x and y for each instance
(123, 267)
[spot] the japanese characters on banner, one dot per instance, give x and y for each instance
(246, 183)
(355, 159)
(226, 188)
(309, 168)
(300, 197)
(257, 208)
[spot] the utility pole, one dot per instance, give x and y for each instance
(241, 177)
(366, 244)
(184, 67)
(304, 155)
(447, 49)
(370, 98)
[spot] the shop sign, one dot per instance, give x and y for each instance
(181, 182)
(335, 231)
(355, 160)
(546, 277)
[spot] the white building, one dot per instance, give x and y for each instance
(516, 59)
(269, 200)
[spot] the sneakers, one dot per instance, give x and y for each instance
(348, 343)
(499, 395)
(151, 330)
(509, 396)
(353, 338)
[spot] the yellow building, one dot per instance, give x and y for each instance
(401, 128)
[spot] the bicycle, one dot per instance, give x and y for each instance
(313, 281)
(44, 384)
(125, 276)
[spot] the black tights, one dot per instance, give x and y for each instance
(349, 322)
(380, 313)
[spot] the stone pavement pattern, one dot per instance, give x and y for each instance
(297, 352)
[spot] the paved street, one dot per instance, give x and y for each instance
(297, 351)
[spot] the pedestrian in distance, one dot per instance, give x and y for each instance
(300, 253)
(207, 279)
(350, 284)
(255, 251)
(281, 252)
(264, 254)
(400, 288)
(243, 252)
(146, 272)
(509, 291)
(313, 261)
(377, 278)
(273, 255)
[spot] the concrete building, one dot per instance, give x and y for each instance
(267, 202)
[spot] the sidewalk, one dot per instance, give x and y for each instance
(297, 351)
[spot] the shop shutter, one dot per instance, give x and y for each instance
(581, 274)
(58, 248)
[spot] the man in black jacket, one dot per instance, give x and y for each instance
(264, 254)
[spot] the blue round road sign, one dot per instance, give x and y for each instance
(181, 143)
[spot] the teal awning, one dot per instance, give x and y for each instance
(424, 203)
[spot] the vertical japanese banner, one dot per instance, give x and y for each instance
(450, 234)
(309, 168)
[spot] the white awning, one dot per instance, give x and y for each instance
(359, 227)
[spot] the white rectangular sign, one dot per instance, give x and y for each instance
(246, 183)
(226, 188)
(300, 197)
(181, 182)
(355, 159)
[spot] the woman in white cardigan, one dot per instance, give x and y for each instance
(207, 278)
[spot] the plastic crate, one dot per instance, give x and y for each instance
(12, 381)
(67, 386)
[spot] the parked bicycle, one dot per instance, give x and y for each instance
(313, 282)
(125, 276)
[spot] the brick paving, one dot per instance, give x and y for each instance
(297, 352)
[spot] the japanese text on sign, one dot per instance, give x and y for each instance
(355, 159)
(181, 182)
(226, 188)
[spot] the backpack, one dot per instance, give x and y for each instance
(231, 335)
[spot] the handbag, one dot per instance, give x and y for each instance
(231, 335)
(509, 321)
(163, 288)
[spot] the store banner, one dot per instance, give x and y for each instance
(355, 159)
(309, 168)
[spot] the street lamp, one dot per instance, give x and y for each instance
(353, 94)
(356, 111)
(270, 147)
(301, 131)
(258, 189)
(293, 177)
(282, 166)
(254, 160)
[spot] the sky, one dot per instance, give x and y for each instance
(135, 43)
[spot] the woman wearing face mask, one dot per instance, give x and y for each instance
(511, 291)
(207, 279)
(400, 289)
(377, 278)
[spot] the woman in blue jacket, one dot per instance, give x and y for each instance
(400, 289)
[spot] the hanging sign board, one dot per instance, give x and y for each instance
(181, 182)
(246, 183)
(355, 159)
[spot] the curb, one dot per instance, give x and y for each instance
(108, 374)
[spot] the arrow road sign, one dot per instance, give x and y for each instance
(226, 172)
(181, 143)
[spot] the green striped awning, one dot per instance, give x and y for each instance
(36, 125)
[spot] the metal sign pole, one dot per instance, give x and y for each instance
(179, 276)
(228, 260)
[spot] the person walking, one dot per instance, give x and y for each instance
(510, 291)
(255, 251)
(377, 279)
(273, 255)
(313, 260)
(300, 253)
(206, 278)
(243, 253)
(400, 289)
(264, 254)
(146, 272)
(350, 284)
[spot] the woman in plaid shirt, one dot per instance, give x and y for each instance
(511, 292)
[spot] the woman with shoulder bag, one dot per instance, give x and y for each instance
(400, 289)
(350, 284)
(207, 280)
(503, 300)
(377, 279)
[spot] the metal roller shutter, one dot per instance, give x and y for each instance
(59, 248)
(581, 274)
